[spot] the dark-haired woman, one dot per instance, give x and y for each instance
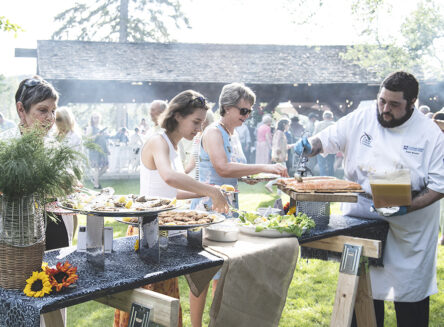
(36, 104)
(162, 173)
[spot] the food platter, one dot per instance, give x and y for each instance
(217, 218)
(261, 177)
(126, 213)
(117, 205)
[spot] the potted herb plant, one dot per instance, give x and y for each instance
(32, 170)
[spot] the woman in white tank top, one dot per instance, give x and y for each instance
(162, 173)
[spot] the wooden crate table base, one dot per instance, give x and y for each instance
(354, 288)
(164, 310)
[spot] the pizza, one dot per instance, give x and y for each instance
(320, 184)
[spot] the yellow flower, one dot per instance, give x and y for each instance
(37, 285)
(44, 266)
(291, 211)
(136, 246)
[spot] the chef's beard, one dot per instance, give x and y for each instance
(394, 122)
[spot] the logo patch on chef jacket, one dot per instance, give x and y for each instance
(412, 150)
(366, 140)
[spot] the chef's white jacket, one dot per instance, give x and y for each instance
(409, 272)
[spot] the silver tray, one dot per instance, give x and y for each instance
(219, 218)
(120, 213)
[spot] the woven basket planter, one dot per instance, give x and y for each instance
(22, 240)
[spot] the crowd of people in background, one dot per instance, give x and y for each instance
(119, 151)
(220, 150)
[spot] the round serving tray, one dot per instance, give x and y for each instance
(120, 213)
(255, 180)
(219, 218)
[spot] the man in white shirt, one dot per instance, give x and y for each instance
(391, 135)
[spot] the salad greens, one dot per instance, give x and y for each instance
(292, 224)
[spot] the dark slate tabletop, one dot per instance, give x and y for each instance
(345, 225)
(123, 269)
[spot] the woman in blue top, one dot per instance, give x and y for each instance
(222, 161)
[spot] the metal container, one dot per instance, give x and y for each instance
(223, 232)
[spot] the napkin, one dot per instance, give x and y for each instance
(254, 281)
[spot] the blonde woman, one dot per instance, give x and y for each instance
(67, 130)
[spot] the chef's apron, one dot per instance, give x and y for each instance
(409, 272)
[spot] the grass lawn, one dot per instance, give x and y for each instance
(310, 296)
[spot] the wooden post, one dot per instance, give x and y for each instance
(53, 319)
(165, 309)
(344, 301)
(354, 290)
(364, 308)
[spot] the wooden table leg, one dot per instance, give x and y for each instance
(53, 319)
(354, 287)
(345, 300)
(347, 286)
(364, 308)
(353, 291)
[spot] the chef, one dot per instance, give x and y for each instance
(393, 134)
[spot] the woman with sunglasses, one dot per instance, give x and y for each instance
(222, 161)
(162, 173)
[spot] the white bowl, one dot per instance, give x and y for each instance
(222, 232)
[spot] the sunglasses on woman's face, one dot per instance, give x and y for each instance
(243, 111)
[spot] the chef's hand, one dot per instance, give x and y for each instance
(389, 212)
(303, 146)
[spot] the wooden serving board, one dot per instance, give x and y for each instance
(336, 196)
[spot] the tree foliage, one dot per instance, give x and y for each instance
(147, 20)
(7, 26)
(415, 49)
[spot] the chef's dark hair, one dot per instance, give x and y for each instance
(402, 82)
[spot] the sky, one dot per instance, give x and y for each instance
(213, 21)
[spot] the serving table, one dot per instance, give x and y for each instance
(358, 247)
(124, 270)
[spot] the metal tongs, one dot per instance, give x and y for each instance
(302, 169)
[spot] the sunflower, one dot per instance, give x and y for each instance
(37, 285)
(62, 276)
(136, 246)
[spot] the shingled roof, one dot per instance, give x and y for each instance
(198, 63)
